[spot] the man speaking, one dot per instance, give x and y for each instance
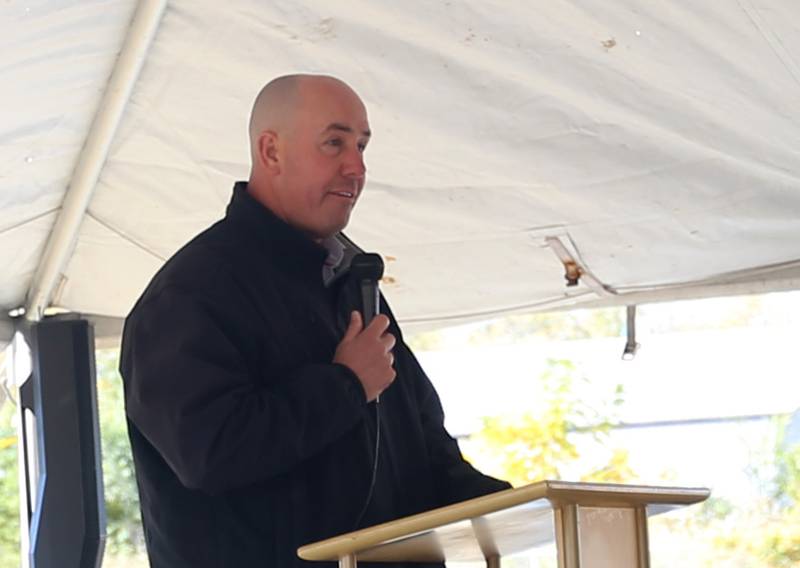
(263, 413)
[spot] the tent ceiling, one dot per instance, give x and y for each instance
(659, 143)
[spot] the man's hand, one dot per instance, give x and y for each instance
(368, 353)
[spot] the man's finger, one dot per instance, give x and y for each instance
(354, 328)
(378, 325)
(389, 341)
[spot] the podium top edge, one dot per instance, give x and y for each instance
(608, 493)
(556, 492)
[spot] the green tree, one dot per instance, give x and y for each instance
(531, 447)
(774, 539)
(760, 533)
(9, 489)
(578, 324)
(124, 526)
(9, 482)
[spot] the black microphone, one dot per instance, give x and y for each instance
(367, 268)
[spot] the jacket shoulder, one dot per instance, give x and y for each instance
(209, 262)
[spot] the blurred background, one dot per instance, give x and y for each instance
(711, 399)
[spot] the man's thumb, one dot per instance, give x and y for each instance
(354, 327)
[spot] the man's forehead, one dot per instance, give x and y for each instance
(361, 129)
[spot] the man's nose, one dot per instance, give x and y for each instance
(354, 166)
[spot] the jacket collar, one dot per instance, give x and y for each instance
(284, 243)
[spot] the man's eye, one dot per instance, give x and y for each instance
(334, 142)
(362, 146)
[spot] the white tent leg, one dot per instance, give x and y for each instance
(64, 236)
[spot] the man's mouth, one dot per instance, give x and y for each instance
(345, 194)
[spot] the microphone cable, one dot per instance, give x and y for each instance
(374, 464)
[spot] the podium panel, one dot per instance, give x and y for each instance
(602, 537)
(608, 537)
(594, 525)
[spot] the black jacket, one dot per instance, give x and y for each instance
(248, 442)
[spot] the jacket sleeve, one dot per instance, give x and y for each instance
(454, 478)
(190, 393)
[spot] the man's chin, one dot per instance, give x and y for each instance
(340, 225)
(321, 233)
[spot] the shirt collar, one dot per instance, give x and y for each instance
(334, 260)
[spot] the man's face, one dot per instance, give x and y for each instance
(322, 168)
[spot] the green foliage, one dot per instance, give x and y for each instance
(9, 482)
(787, 471)
(764, 533)
(425, 341)
(778, 542)
(124, 527)
(9, 489)
(715, 509)
(531, 447)
(578, 324)
(716, 313)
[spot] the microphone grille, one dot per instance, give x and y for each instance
(367, 266)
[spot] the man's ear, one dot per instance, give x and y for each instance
(268, 151)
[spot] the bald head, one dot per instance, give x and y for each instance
(278, 103)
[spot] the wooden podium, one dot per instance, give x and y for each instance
(594, 525)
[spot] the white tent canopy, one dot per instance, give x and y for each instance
(655, 144)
